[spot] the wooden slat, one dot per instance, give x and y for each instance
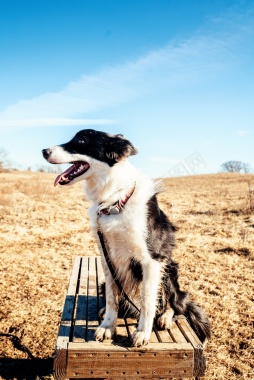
(199, 360)
(176, 334)
(65, 328)
(100, 273)
(79, 331)
(101, 346)
(69, 304)
(164, 336)
(131, 325)
(121, 337)
(74, 276)
(100, 280)
(93, 312)
(153, 337)
(188, 332)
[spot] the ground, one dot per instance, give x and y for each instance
(43, 228)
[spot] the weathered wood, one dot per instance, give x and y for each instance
(98, 346)
(154, 363)
(93, 311)
(164, 336)
(175, 353)
(80, 322)
(176, 333)
(60, 364)
(199, 359)
(66, 324)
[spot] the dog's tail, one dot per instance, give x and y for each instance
(179, 301)
(193, 313)
(198, 321)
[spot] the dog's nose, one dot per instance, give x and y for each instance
(46, 153)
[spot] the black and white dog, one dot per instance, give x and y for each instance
(138, 234)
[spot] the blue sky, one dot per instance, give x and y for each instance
(176, 77)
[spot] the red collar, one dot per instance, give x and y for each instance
(117, 206)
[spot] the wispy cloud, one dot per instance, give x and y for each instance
(176, 65)
(24, 123)
(241, 133)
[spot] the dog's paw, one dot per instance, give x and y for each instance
(164, 322)
(139, 339)
(102, 333)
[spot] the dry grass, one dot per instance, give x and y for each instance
(43, 228)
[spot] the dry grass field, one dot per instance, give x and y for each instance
(43, 228)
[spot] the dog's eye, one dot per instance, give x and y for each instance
(81, 141)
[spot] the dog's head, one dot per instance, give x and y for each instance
(88, 148)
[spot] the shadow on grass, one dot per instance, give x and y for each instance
(26, 369)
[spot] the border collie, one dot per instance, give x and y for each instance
(138, 235)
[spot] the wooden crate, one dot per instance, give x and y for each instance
(174, 353)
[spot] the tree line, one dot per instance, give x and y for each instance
(235, 167)
(231, 166)
(6, 165)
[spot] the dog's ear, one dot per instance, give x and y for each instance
(119, 148)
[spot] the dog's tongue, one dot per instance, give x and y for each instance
(63, 175)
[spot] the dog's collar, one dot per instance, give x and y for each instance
(117, 206)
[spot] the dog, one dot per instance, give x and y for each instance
(138, 235)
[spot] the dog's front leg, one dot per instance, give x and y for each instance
(151, 278)
(107, 328)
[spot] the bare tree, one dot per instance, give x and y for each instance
(4, 162)
(246, 168)
(235, 167)
(50, 169)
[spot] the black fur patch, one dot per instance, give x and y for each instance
(136, 269)
(100, 145)
(160, 243)
(160, 238)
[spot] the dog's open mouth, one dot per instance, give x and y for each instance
(79, 168)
